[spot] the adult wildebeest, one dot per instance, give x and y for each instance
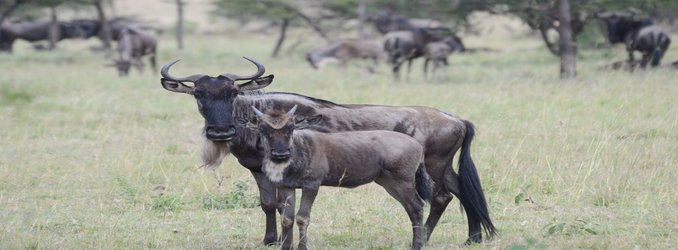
(296, 156)
(132, 46)
(638, 35)
(407, 45)
(92, 27)
(33, 31)
(442, 135)
(345, 50)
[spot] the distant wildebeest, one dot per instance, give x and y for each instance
(345, 50)
(638, 35)
(407, 45)
(299, 156)
(387, 21)
(225, 104)
(132, 46)
(92, 27)
(438, 52)
(33, 31)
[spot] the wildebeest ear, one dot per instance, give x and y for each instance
(176, 86)
(255, 84)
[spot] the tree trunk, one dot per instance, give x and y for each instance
(362, 19)
(54, 32)
(281, 39)
(180, 24)
(568, 48)
(104, 27)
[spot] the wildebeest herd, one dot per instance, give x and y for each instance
(134, 39)
(290, 141)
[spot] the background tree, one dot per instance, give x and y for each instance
(280, 12)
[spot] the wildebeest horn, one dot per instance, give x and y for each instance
(260, 72)
(165, 73)
(291, 112)
(256, 111)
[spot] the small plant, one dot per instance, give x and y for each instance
(166, 203)
(128, 191)
(238, 198)
(578, 226)
(14, 97)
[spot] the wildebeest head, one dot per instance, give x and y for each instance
(276, 130)
(123, 66)
(620, 26)
(215, 96)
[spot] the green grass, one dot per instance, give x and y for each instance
(90, 160)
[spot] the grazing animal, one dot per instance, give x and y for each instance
(297, 157)
(346, 50)
(224, 104)
(33, 31)
(132, 46)
(403, 46)
(638, 35)
(438, 52)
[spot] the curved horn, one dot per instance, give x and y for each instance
(260, 72)
(165, 73)
(291, 112)
(256, 111)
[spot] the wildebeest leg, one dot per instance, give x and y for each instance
(405, 192)
(409, 67)
(646, 58)
(304, 215)
(287, 214)
(426, 68)
(439, 203)
(151, 60)
(269, 203)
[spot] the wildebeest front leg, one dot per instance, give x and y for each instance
(269, 203)
(304, 215)
(287, 214)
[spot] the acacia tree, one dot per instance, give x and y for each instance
(280, 12)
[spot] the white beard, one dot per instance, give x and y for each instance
(213, 153)
(274, 170)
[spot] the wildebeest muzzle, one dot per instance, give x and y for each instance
(220, 133)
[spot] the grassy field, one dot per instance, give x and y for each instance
(90, 160)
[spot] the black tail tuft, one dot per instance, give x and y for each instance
(472, 197)
(422, 181)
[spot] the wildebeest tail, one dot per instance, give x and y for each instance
(471, 191)
(422, 182)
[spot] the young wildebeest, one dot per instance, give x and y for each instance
(439, 51)
(346, 50)
(442, 135)
(295, 157)
(641, 35)
(132, 46)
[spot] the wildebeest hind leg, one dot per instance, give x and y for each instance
(405, 192)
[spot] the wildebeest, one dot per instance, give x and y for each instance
(638, 35)
(387, 21)
(442, 135)
(296, 156)
(438, 52)
(33, 31)
(92, 27)
(407, 45)
(132, 46)
(345, 50)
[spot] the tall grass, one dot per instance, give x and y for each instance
(90, 160)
